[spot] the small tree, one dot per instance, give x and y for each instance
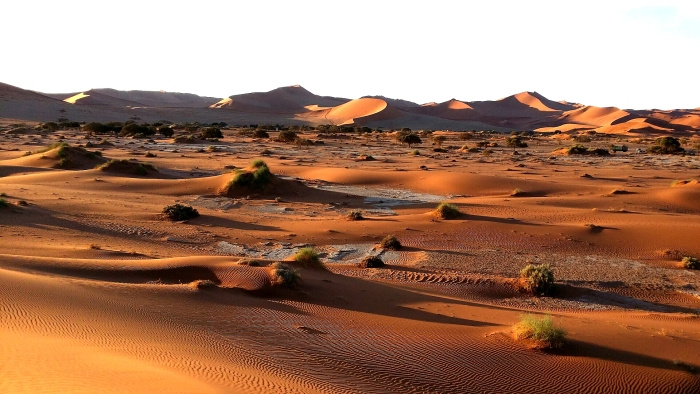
(666, 145)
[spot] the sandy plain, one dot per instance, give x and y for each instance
(96, 289)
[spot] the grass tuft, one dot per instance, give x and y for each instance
(447, 211)
(540, 330)
(307, 257)
(284, 275)
(390, 242)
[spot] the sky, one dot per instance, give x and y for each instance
(630, 54)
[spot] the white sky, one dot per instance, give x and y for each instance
(630, 54)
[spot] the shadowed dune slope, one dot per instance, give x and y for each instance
(290, 99)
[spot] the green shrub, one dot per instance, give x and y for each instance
(307, 257)
(390, 242)
(542, 331)
(4, 203)
(447, 211)
(692, 263)
(415, 152)
(254, 180)
(666, 145)
(537, 279)
(180, 212)
(371, 262)
(284, 275)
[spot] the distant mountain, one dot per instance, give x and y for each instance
(296, 105)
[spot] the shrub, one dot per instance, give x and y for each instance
(185, 139)
(97, 128)
(515, 142)
(439, 139)
(166, 131)
(692, 263)
(537, 279)
(133, 129)
(390, 242)
(466, 136)
(371, 262)
(307, 257)
(259, 133)
(211, 132)
(4, 203)
(286, 136)
(666, 145)
(180, 212)
(354, 215)
(447, 211)
(284, 275)
(542, 331)
(255, 180)
(577, 150)
(408, 138)
(415, 152)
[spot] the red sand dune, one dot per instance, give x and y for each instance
(594, 116)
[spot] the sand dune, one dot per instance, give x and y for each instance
(94, 97)
(290, 99)
(594, 116)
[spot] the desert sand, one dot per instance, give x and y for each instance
(98, 291)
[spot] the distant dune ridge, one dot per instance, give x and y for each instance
(296, 105)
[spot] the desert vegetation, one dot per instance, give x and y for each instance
(284, 275)
(308, 257)
(692, 263)
(390, 242)
(180, 212)
(446, 210)
(541, 331)
(537, 279)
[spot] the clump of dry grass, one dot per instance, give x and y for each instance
(202, 284)
(541, 331)
(371, 262)
(307, 257)
(390, 242)
(447, 211)
(284, 275)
